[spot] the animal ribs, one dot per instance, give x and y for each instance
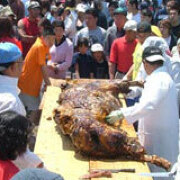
(81, 115)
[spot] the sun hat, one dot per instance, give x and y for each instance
(130, 25)
(6, 11)
(33, 5)
(152, 54)
(97, 47)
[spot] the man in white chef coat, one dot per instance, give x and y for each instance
(157, 110)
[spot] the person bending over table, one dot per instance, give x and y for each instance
(157, 110)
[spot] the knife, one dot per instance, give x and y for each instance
(157, 174)
(115, 170)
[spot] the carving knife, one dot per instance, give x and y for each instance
(115, 170)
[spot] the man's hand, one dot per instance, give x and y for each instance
(114, 116)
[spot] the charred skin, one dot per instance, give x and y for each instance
(81, 115)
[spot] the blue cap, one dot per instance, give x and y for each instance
(9, 53)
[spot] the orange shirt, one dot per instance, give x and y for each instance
(31, 77)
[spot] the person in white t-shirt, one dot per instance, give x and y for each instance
(133, 13)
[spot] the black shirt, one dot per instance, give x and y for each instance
(85, 64)
(100, 69)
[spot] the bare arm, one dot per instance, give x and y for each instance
(23, 35)
(130, 72)
(77, 71)
(112, 68)
(91, 75)
(45, 75)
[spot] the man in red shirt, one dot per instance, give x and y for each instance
(122, 50)
(28, 27)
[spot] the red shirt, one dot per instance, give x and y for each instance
(12, 40)
(7, 170)
(122, 53)
(31, 29)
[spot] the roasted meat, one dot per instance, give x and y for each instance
(81, 114)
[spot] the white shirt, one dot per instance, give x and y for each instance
(27, 160)
(9, 99)
(168, 40)
(157, 112)
(136, 17)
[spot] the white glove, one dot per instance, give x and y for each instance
(114, 116)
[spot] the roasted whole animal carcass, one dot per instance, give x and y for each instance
(81, 114)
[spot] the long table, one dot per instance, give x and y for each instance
(59, 155)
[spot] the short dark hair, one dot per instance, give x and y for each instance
(6, 27)
(134, 2)
(14, 129)
(83, 41)
(70, 3)
(93, 12)
(45, 23)
(147, 12)
(114, 4)
(60, 11)
(58, 23)
(48, 31)
(46, 5)
(5, 66)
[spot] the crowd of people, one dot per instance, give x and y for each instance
(94, 39)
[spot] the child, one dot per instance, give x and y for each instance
(100, 65)
(83, 61)
(14, 130)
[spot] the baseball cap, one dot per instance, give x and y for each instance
(81, 7)
(36, 174)
(120, 10)
(152, 54)
(33, 5)
(130, 25)
(9, 52)
(97, 47)
(144, 27)
(158, 42)
(6, 11)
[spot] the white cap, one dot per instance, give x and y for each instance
(82, 7)
(130, 25)
(97, 47)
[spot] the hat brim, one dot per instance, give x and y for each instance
(34, 7)
(155, 58)
(132, 29)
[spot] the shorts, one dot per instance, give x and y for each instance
(31, 103)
